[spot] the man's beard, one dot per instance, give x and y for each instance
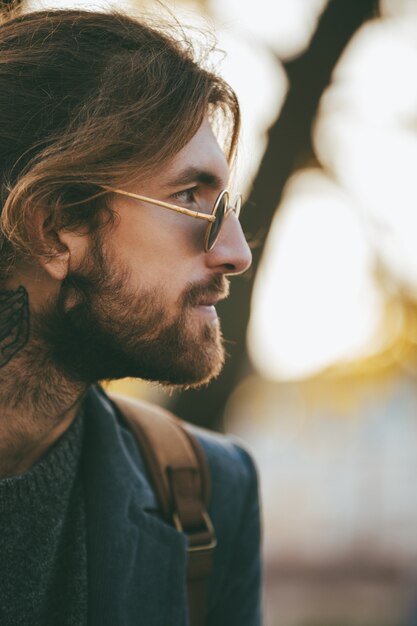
(99, 329)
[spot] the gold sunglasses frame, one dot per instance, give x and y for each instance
(210, 218)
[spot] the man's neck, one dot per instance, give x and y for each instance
(37, 401)
(37, 405)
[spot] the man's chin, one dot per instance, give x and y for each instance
(183, 374)
(194, 380)
(190, 362)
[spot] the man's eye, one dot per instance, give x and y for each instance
(187, 196)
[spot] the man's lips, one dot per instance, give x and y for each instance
(211, 300)
(209, 295)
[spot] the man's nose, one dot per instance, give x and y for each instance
(231, 252)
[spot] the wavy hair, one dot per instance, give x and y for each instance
(90, 99)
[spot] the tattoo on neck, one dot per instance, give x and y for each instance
(14, 323)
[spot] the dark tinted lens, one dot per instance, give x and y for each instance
(215, 226)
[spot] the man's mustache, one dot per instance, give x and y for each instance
(217, 288)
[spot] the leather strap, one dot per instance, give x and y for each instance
(180, 477)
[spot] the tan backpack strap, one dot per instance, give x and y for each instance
(180, 476)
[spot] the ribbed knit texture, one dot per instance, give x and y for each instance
(43, 554)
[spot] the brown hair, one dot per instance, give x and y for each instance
(89, 99)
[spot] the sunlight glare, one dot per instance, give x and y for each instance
(374, 76)
(366, 136)
(406, 8)
(315, 301)
(87, 5)
(285, 27)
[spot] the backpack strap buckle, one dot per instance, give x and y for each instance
(209, 531)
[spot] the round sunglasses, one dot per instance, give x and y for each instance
(221, 209)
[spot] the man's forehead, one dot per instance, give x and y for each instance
(200, 160)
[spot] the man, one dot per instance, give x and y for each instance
(111, 266)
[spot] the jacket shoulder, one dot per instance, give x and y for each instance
(227, 457)
(229, 460)
(234, 509)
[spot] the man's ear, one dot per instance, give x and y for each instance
(57, 266)
(64, 249)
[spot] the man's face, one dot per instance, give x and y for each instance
(141, 303)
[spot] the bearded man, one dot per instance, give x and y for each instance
(117, 237)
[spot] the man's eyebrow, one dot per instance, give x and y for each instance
(195, 175)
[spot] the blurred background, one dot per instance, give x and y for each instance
(321, 381)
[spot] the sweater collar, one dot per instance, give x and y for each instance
(49, 481)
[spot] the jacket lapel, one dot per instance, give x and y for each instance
(136, 562)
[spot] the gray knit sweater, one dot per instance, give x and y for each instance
(43, 557)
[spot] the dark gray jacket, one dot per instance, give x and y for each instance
(136, 562)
